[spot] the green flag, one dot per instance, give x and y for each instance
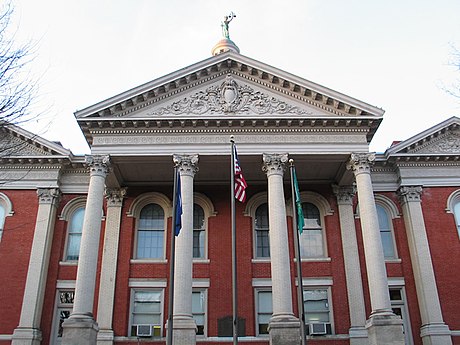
(298, 203)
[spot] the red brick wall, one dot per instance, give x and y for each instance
(17, 239)
(15, 247)
(445, 251)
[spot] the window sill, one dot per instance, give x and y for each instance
(314, 260)
(68, 263)
(393, 261)
(148, 261)
(260, 261)
(201, 261)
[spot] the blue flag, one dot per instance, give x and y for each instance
(178, 206)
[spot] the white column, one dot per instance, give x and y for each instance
(184, 329)
(433, 331)
(284, 327)
(106, 298)
(81, 328)
(28, 331)
(383, 325)
(357, 331)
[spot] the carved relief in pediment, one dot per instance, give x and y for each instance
(448, 143)
(229, 98)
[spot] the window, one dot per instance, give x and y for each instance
(6, 209)
(317, 309)
(64, 307)
(311, 240)
(264, 310)
(74, 231)
(386, 232)
(399, 308)
(457, 215)
(261, 229)
(150, 232)
(147, 310)
(2, 220)
(453, 206)
(199, 232)
(199, 310)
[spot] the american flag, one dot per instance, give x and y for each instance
(240, 182)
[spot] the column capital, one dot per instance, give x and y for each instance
(410, 193)
(344, 194)
(188, 164)
(49, 196)
(114, 196)
(98, 164)
(274, 163)
(361, 162)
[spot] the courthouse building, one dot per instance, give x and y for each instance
(85, 240)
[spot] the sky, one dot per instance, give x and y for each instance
(393, 54)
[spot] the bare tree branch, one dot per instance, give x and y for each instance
(18, 89)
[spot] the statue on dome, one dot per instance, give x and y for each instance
(227, 20)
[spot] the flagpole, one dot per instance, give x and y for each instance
(295, 231)
(169, 337)
(234, 275)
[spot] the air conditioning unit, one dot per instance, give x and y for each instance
(317, 328)
(144, 330)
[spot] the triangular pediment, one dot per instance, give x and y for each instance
(228, 84)
(18, 142)
(442, 139)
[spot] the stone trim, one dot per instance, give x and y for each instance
(187, 164)
(49, 196)
(114, 196)
(98, 164)
(361, 162)
(410, 194)
(274, 163)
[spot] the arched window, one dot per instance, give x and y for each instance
(261, 227)
(6, 209)
(73, 213)
(386, 212)
(74, 231)
(312, 237)
(2, 220)
(453, 206)
(150, 232)
(199, 232)
(457, 215)
(386, 232)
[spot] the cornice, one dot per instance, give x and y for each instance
(28, 166)
(278, 126)
(422, 160)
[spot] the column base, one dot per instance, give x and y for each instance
(26, 336)
(436, 334)
(385, 329)
(184, 330)
(284, 330)
(358, 336)
(80, 329)
(105, 337)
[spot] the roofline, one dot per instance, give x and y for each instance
(38, 139)
(420, 136)
(216, 60)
